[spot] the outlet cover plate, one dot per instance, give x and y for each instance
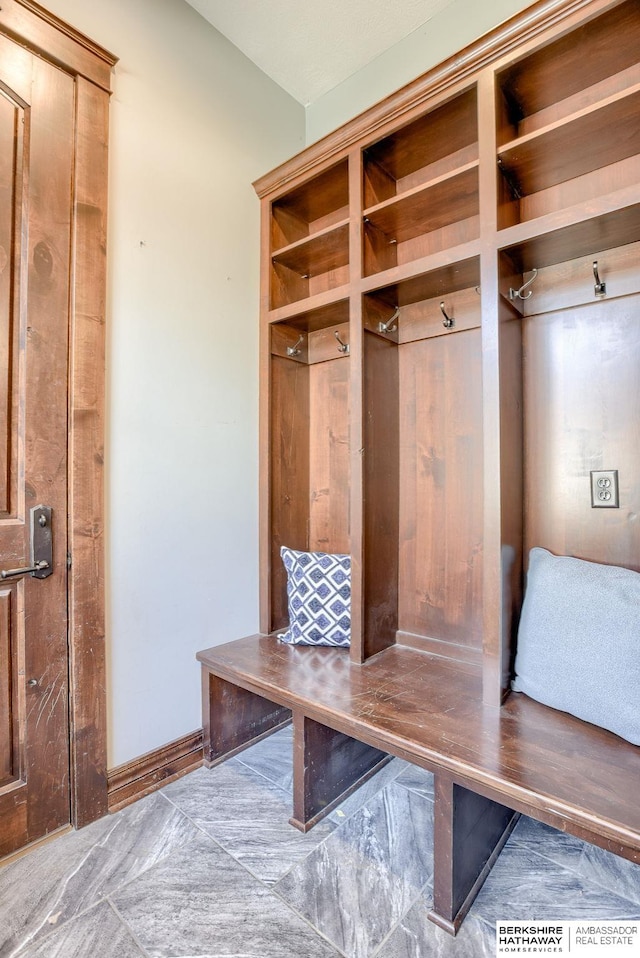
(604, 489)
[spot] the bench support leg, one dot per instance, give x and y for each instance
(469, 833)
(234, 718)
(327, 766)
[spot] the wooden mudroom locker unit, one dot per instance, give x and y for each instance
(450, 331)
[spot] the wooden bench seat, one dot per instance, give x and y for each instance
(488, 763)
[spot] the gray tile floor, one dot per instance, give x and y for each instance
(209, 867)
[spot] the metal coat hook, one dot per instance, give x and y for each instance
(518, 293)
(387, 327)
(448, 321)
(600, 289)
(342, 347)
(295, 349)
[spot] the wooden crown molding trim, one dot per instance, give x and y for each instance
(481, 53)
(50, 37)
(69, 31)
(141, 776)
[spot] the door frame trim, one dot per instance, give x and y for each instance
(90, 65)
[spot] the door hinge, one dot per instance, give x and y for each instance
(68, 560)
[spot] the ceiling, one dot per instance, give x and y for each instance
(310, 46)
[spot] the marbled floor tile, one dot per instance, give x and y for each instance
(417, 937)
(365, 877)
(590, 862)
(63, 878)
(97, 933)
(248, 816)
(201, 903)
(524, 884)
(272, 757)
(418, 780)
(367, 790)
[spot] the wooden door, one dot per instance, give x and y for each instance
(37, 123)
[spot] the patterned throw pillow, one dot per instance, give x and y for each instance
(319, 594)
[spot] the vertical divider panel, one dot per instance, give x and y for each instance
(381, 492)
(356, 430)
(290, 458)
(265, 423)
(502, 422)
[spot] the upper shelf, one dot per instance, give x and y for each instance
(572, 147)
(318, 253)
(572, 65)
(435, 144)
(451, 197)
(311, 208)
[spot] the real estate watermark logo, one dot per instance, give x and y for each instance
(580, 939)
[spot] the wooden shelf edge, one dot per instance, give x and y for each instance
(317, 237)
(308, 305)
(618, 204)
(422, 188)
(418, 267)
(593, 108)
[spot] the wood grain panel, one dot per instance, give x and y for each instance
(324, 346)
(289, 473)
(318, 786)
(86, 451)
(234, 718)
(329, 456)
(51, 167)
(381, 493)
(64, 90)
(572, 283)
(511, 495)
(582, 402)
(11, 170)
(469, 832)
(8, 731)
(441, 488)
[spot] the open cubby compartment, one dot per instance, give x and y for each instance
(567, 123)
(310, 237)
(421, 186)
(309, 440)
(422, 564)
(570, 403)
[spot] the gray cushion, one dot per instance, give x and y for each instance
(579, 641)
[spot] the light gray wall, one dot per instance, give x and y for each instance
(193, 122)
(449, 31)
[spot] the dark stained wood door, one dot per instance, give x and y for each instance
(36, 175)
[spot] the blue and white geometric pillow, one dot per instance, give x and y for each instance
(319, 594)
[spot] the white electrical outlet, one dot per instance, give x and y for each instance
(604, 489)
